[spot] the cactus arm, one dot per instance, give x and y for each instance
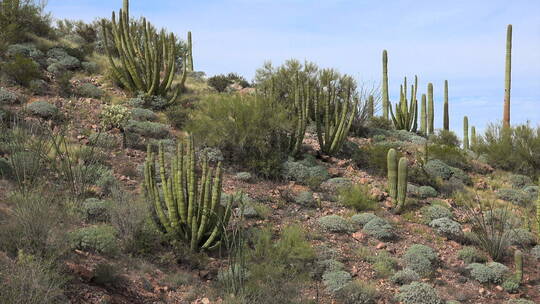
(402, 184)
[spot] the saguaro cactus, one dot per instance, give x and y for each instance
(392, 166)
(402, 183)
(371, 106)
(423, 116)
(431, 110)
(189, 208)
(446, 118)
(189, 55)
(474, 139)
(385, 98)
(507, 76)
(518, 265)
(465, 133)
(146, 59)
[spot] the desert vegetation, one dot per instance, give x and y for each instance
(128, 176)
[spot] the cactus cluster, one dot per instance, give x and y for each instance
(146, 59)
(188, 206)
(405, 117)
(397, 178)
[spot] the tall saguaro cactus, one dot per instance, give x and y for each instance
(402, 183)
(518, 265)
(474, 139)
(189, 208)
(466, 133)
(385, 98)
(507, 76)
(189, 55)
(371, 106)
(146, 59)
(431, 110)
(392, 167)
(423, 116)
(446, 118)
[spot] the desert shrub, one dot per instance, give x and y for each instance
(357, 197)
(221, 82)
(213, 155)
(519, 181)
(445, 138)
(515, 149)
(335, 223)
(26, 17)
(405, 276)
(517, 197)
(383, 264)
(151, 102)
(379, 122)
(362, 218)
(7, 97)
(246, 128)
(21, 69)
(433, 212)
(334, 281)
(447, 227)
(90, 67)
(102, 140)
(177, 115)
(437, 168)
(418, 293)
(492, 272)
(89, 90)
(373, 157)
(25, 50)
(243, 176)
(511, 285)
(421, 259)
(64, 86)
(38, 86)
(470, 255)
(114, 116)
(62, 59)
(143, 114)
(422, 191)
(418, 175)
(450, 155)
(357, 292)
(30, 280)
(305, 198)
(336, 184)
(106, 274)
(535, 252)
(532, 190)
(43, 110)
(519, 301)
(521, 237)
(95, 210)
(328, 265)
(100, 239)
(380, 229)
(147, 129)
(306, 171)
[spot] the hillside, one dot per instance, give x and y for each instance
(127, 176)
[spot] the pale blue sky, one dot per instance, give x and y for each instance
(462, 41)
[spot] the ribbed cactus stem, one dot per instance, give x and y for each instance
(474, 139)
(446, 118)
(466, 133)
(518, 265)
(423, 116)
(371, 106)
(385, 98)
(431, 110)
(392, 166)
(507, 76)
(402, 183)
(190, 53)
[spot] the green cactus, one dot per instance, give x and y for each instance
(189, 55)
(385, 98)
(423, 116)
(146, 59)
(402, 183)
(465, 133)
(392, 166)
(431, 110)
(507, 76)
(538, 211)
(474, 139)
(370, 106)
(446, 118)
(189, 209)
(518, 265)
(335, 106)
(405, 113)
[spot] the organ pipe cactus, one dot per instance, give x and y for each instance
(335, 106)
(405, 112)
(402, 184)
(446, 118)
(518, 265)
(146, 59)
(431, 110)
(187, 205)
(189, 55)
(466, 133)
(507, 76)
(392, 166)
(385, 98)
(423, 116)
(474, 139)
(371, 107)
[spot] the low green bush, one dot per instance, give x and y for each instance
(43, 110)
(106, 274)
(95, 210)
(335, 223)
(357, 292)
(519, 181)
(151, 102)
(470, 255)
(143, 114)
(445, 138)
(21, 69)
(38, 86)
(380, 229)
(305, 198)
(89, 90)
(147, 129)
(405, 276)
(306, 172)
(421, 259)
(447, 227)
(357, 197)
(336, 280)
(451, 155)
(492, 272)
(433, 212)
(535, 252)
(100, 239)
(521, 237)
(362, 218)
(418, 293)
(517, 197)
(519, 301)
(90, 67)
(7, 97)
(373, 157)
